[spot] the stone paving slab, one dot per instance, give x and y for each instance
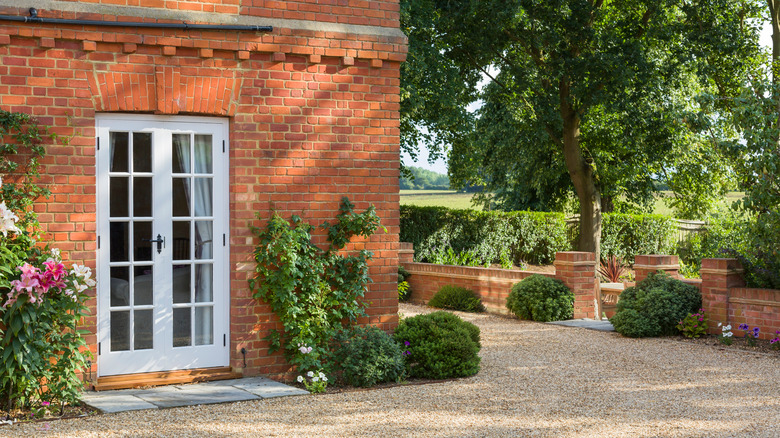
(250, 388)
(263, 387)
(115, 401)
(591, 324)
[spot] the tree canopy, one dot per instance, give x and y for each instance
(590, 95)
(424, 179)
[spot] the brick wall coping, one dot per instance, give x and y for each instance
(577, 263)
(721, 271)
(48, 6)
(475, 272)
(656, 267)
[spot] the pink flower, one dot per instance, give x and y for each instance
(28, 269)
(56, 269)
(26, 283)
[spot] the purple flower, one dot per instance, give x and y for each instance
(406, 343)
(701, 319)
(755, 332)
(406, 353)
(45, 403)
(744, 327)
(774, 340)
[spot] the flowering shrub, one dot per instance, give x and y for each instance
(726, 335)
(750, 335)
(41, 301)
(315, 382)
(694, 325)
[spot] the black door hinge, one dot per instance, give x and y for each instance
(98, 143)
(223, 146)
(224, 240)
(224, 340)
(98, 242)
(98, 348)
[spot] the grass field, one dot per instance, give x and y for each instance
(453, 199)
(436, 198)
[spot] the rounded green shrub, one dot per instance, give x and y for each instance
(654, 306)
(439, 345)
(457, 298)
(541, 298)
(368, 356)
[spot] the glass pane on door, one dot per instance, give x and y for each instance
(193, 235)
(130, 211)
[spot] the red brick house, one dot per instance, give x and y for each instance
(185, 119)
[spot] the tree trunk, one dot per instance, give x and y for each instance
(774, 17)
(581, 174)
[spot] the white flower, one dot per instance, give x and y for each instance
(719, 324)
(322, 374)
(727, 328)
(80, 270)
(315, 379)
(310, 374)
(324, 379)
(300, 379)
(728, 335)
(302, 350)
(79, 287)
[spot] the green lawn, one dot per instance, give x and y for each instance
(439, 198)
(453, 199)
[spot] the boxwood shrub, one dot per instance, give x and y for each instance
(439, 345)
(541, 298)
(654, 306)
(368, 356)
(457, 298)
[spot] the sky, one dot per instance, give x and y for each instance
(440, 165)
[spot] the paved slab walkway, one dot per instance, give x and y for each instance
(593, 324)
(250, 388)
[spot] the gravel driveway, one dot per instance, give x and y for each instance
(536, 380)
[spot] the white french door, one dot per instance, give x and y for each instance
(163, 284)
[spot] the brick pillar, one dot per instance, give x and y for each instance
(717, 276)
(644, 265)
(578, 271)
(406, 253)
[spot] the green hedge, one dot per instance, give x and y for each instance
(470, 237)
(628, 235)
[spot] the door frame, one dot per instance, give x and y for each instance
(221, 329)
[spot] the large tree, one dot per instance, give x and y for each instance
(596, 90)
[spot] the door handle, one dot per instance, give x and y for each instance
(160, 240)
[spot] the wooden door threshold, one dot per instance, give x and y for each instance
(161, 378)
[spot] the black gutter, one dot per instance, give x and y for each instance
(34, 18)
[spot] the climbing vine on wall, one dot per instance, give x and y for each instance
(312, 291)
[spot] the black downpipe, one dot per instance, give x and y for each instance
(34, 18)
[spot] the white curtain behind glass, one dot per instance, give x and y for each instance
(203, 194)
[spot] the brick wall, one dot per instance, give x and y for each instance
(576, 269)
(313, 117)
